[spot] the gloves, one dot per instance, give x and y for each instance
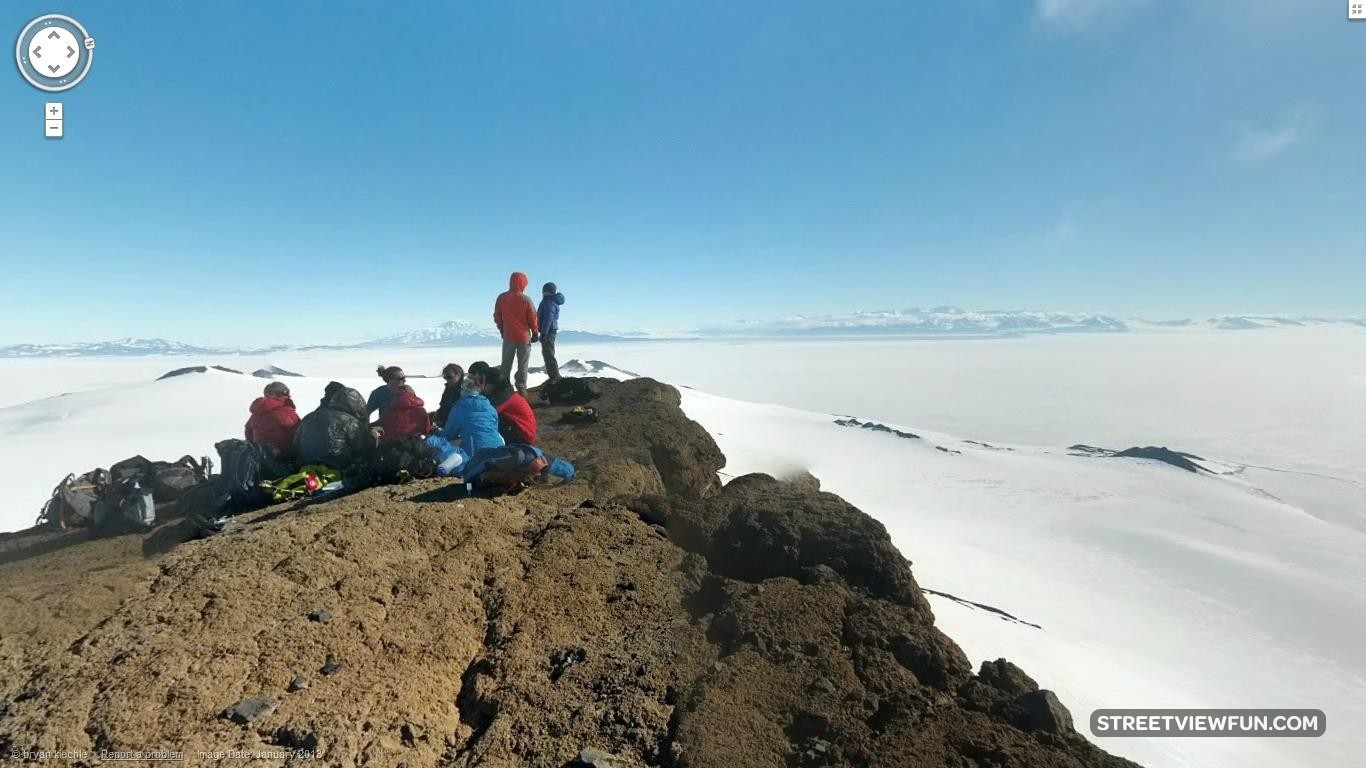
(535, 338)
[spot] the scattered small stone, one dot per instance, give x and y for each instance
(247, 710)
(299, 683)
(596, 758)
(332, 666)
(26, 695)
(294, 737)
(564, 658)
(411, 735)
(322, 616)
(823, 685)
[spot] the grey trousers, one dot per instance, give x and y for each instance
(523, 353)
(552, 366)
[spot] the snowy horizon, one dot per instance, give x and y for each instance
(1240, 577)
(945, 319)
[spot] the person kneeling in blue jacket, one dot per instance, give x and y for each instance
(471, 426)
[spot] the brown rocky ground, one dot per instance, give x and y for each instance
(642, 615)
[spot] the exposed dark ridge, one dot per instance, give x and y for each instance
(196, 369)
(1178, 459)
(643, 615)
(274, 371)
(1005, 615)
(852, 422)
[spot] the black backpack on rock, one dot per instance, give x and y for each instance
(123, 497)
(398, 461)
(245, 465)
(571, 391)
(167, 480)
(125, 505)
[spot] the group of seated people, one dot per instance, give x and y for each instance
(480, 410)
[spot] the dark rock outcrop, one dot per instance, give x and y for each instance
(657, 620)
(274, 372)
(196, 369)
(1186, 461)
(875, 427)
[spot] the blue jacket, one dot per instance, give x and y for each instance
(473, 424)
(380, 399)
(548, 314)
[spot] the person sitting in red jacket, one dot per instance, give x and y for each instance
(274, 420)
(405, 416)
(516, 420)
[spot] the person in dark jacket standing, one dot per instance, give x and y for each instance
(548, 318)
(274, 420)
(515, 316)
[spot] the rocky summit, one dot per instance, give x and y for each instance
(643, 615)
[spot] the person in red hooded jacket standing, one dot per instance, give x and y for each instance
(515, 315)
(274, 420)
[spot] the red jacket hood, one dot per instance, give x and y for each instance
(408, 400)
(518, 281)
(271, 403)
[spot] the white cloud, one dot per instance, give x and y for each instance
(1067, 227)
(1072, 13)
(1262, 142)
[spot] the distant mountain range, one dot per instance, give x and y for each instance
(119, 347)
(1249, 322)
(454, 333)
(939, 321)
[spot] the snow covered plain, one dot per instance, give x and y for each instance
(1152, 587)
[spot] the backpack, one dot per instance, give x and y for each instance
(306, 482)
(582, 414)
(572, 391)
(124, 506)
(245, 466)
(505, 469)
(205, 501)
(398, 461)
(168, 480)
(72, 504)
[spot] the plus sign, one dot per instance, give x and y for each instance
(53, 110)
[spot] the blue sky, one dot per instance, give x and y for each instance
(301, 171)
